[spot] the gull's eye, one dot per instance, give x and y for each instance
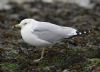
(24, 23)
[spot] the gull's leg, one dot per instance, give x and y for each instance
(42, 54)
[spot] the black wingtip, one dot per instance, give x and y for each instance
(83, 32)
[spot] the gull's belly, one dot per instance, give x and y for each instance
(32, 39)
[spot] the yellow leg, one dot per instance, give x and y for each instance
(42, 54)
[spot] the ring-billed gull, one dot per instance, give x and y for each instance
(42, 34)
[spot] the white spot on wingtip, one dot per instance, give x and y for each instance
(80, 33)
(85, 32)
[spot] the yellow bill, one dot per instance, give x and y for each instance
(16, 26)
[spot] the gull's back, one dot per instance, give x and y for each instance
(53, 33)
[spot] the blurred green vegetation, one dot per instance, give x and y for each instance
(8, 67)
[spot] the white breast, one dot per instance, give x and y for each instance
(31, 38)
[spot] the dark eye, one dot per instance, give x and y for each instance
(25, 23)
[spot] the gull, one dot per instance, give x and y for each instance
(43, 34)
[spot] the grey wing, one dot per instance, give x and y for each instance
(48, 35)
(48, 32)
(52, 33)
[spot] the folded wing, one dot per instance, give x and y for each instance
(51, 32)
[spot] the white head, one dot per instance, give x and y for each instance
(25, 22)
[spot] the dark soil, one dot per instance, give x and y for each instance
(76, 54)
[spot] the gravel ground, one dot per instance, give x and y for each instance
(77, 54)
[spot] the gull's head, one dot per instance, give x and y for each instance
(25, 22)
